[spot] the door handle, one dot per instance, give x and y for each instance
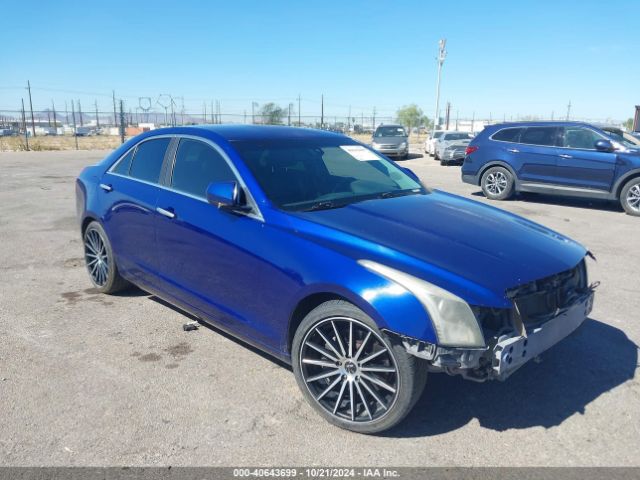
(513, 150)
(106, 187)
(166, 213)
(565, 156)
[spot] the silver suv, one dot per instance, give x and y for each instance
(391, 140)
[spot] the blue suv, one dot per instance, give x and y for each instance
(561, 158)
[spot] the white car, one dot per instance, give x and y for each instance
(444, 145)
(429, 143)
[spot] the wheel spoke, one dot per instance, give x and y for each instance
(320, 363)
(372, 356)
(379, 382)
(378, 369)
(364, 400)
(321, 350)
(328, 389)
(335, 330)
(320, 376)
(333, 349)
(350, 339)
(360, 350)
(351, 399)
(339, 399)
(373, 394)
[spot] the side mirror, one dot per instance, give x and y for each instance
(604, 146)
(227, 196)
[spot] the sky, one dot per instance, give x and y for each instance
(506, 59)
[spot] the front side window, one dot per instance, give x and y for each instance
(197, 165)
(507, 135)
(147, 162)
(544, 136)
(296, 174)
(579, 137)
(390, 132)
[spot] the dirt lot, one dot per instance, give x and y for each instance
(87, 379)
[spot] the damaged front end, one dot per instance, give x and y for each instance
(544, 312)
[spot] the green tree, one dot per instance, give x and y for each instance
(411, 116)
(271, 113)
(628, 124)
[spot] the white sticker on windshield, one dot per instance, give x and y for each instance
(360, 153)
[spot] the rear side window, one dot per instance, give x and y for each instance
(507, 135)
(544, 136)
(578, 137)
(122, 167)
(148, 159)
(197, 165)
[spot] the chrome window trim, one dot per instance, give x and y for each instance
(505, 141)
(255, 213)
(548, 146)
(115, 164)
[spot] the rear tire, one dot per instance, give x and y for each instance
(630, 197)
(365, 385)
(497, 183)
(100, 262)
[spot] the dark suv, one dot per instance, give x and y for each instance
(560, 158)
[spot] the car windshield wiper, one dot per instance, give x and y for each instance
(397, 193)
(323, 206)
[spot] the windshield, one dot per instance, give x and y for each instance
(390, 132)
(311, 173)
(437, 134)
(620, 139)
(457, 136)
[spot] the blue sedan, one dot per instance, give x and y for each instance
(327, 255)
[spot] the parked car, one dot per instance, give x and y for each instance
(429, 143)
(560, 158)
(624, 139)
(392, 140)
(451, 147)
(325, 254)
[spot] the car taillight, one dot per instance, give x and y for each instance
(470, 150)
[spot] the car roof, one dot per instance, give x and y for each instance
(234, 132)
(541, 123)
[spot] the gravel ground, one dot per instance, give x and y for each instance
(88, 379)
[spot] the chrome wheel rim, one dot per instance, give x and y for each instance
(96, 258)
(633, 198)
(349, 370)
(496, 183)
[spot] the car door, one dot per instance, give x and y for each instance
(131, 189)
(206, 253)
(580, 165)
(535, 155)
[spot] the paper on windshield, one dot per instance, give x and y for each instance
(360, 153)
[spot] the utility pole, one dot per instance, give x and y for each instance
(73, 114)
(322, 111)
(122, 121)
(568, 110)
(349, 119)
(115, 115)
(447, 115)
(80, 113)
(33, 122)
(97, 117)
(299, 123)
(55, 121)
(289, 116)
(373, 126)
(24, 126)
(442, 53)
(253, 112)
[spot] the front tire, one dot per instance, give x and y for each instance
(351, 374)
(630, 197)
(100, 262)
(497, 183)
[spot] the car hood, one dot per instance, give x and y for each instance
(390, 140)
(471, 249)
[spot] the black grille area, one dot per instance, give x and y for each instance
(539, 301)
